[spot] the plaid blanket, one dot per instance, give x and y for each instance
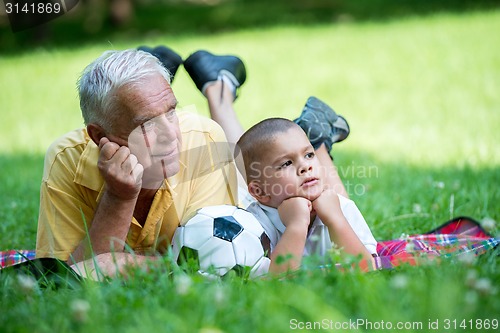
(12, 257)
(460, 236)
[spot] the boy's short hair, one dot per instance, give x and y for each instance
(254, 141)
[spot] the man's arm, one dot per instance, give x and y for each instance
(111, 264)
(109, 228)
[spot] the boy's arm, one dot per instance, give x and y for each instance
(295, 215)
(327, 206)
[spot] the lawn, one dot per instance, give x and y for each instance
(421, 97)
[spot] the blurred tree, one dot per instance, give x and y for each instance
(97, 19)
(121, 12)
(117, 13)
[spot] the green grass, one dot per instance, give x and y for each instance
(421, 97)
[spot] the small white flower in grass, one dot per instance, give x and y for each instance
(182, 284)
(335, 251)
(471, 278)
(439, 185)
(426, 259)
(219, 295)
(467, 258)
(484, 286)
(488, 224)
(410, 247)
(27, 283)
(471, 297)
(399, 281)
(417, 209)
(80, 310)
(404, 236)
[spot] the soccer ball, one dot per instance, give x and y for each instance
(222, 238)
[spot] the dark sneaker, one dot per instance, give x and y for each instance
(169, 58)
(322, 124)
(206, 68)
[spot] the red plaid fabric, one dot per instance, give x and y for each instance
(457, 237)
(12, 257)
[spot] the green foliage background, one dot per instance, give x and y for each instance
(421, 96)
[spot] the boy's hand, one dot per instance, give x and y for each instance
(295, 211)
(295, 215)
(120, 169)
(327, 206)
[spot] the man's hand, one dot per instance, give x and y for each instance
(111, 264)
(121, 170)
(122, 175)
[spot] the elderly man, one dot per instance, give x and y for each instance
(139, 168)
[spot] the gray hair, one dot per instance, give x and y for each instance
(100, 80)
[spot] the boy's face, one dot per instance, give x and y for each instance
(289, 168)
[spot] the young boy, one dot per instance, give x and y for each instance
(296, 207)
(289, 169)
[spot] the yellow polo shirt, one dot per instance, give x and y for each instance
(72, 186)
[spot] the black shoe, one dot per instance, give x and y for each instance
(206, 68)
(169, 59)
(322, 124)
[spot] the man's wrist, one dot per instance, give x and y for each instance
(120, 198)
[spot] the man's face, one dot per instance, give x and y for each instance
(290, 168)
(149, 124)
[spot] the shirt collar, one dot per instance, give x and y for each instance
(87, 174)
(274, 217)
(172, 182)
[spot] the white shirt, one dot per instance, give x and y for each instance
(318, 239)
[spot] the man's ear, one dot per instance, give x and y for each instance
(256, 190)
(95, 132)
